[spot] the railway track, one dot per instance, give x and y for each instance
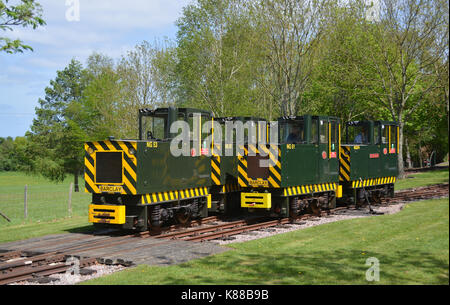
(25, 266)
(28, 264)
(420, 193)
(238, 227)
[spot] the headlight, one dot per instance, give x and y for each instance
(132, 151)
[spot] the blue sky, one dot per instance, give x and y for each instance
(110, 27)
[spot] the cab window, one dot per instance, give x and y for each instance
(384, 134)
(314, 131)
(293, 132)
(197, 120)
(393, 136)
(334, 134)
(357, 133)
(153, 127)
(262, 131)
(376, 134)
(251, 131)
(323, 131)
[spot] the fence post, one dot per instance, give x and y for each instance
(70, 199)
(25, 204)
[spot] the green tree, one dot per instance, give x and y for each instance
(336, 85)
(141, 84)
(57, 134)
(114, 92)
(102, 96)
(12, 154)
(28, 13)
(405, 44)
(292, 30)
(217, 60)
(7, 160)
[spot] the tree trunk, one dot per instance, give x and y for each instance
(408, 154)
(420, 157)
(76, 187)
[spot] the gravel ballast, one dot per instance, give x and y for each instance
(339, 215)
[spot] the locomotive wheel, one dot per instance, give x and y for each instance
(182, 216)
(155, 216)
(376, 198)
(315, 207)
(293, 207)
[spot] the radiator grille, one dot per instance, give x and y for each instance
(108, 167)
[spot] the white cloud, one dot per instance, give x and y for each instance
(111, 27)
(119, 14)
(57, 36)
(44, 62)
(104, 25)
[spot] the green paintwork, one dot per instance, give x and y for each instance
(383, 162)
(299, 166)
(228, 170)
(304, 163)
(159, 171)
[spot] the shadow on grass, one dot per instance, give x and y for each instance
(338, 267)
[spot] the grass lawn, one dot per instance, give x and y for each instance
(422, 179)
(35, 229)
(47, 201)
(412, 247)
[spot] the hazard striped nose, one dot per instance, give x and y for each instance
(110, 167)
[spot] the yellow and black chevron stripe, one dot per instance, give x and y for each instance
(242, 167)
(274, 153)
(174, 195)
(344, 163)
(215, 166)
(308, 189)
(275, 166)
(129, 166)
(372, 182)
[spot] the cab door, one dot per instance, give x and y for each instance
(323, 150)
(333, 148)
(393, 150)
(376, 156)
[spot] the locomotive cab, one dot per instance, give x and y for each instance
(301, 169)
(368, 160)
(143, 183)
(225, 189)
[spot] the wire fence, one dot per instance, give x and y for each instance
(40, 203)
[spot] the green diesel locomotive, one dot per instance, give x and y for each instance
(281, 170)
(137, 184)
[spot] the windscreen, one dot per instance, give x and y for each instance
(357, 133)
(153, 127)
(292, 132)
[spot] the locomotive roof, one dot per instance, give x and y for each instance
(166, 110)
(302, 117)
(239, 118)
(356, 123)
